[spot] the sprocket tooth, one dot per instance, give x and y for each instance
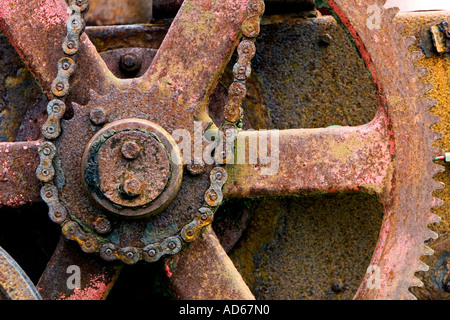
(436, 203)
(391, 13)
(381, 2)
(422, 72)
(93, 95)
(427, 251)
(431, 120)
(416, 56)
(423, 266)
(432, 235)
(426, 87)
(437, 185)
(415, 282)
(409, 41)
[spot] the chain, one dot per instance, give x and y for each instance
(51, 130)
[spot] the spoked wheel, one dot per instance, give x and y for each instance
(119, 188)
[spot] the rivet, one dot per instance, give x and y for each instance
(108, 251)
(130, 255)
(189, 232)
(65, 65)
(59, 86)
(151, 252)
(172, 245)
(47, 151)
(204, 216)
(48, 194)
(213, 196)
(70, 45)
(219, 175)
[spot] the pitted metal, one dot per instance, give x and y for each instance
(99, 236)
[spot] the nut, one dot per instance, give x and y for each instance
(130, 150)
(132, 187)
(97, 116)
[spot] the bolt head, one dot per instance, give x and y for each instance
(337, 286)
(130, 63)
(132, 187)
(130, 150)
(102, 225)
(97, 116)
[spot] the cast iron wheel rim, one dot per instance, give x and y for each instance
(404, 230)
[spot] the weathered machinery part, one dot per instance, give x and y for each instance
(438, 65)
(18, 91)
(128, 63)
(14, 283)
(403, 227)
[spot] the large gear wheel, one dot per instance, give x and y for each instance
(388, 157)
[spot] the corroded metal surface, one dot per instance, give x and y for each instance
(418, 25)
(393, 194)
(97, 276)
(14, 283)
(218, 278)
(18, 182)
(395, 109)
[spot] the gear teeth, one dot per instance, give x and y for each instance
(415, 282)
(92, 94)
(417, 55)
(426, 88)
(431, 120)
(436, 203)
(391, 13)
(408, 42)
(438, 185)
(423, 267)
(427, 251)
(432, 235)
(421, 71)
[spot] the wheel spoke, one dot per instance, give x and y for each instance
(196, 50)
(37, 29)
(18, 183)
(311, 160)
(204, 271)
(96, 276)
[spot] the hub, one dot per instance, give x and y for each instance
(132, 168)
